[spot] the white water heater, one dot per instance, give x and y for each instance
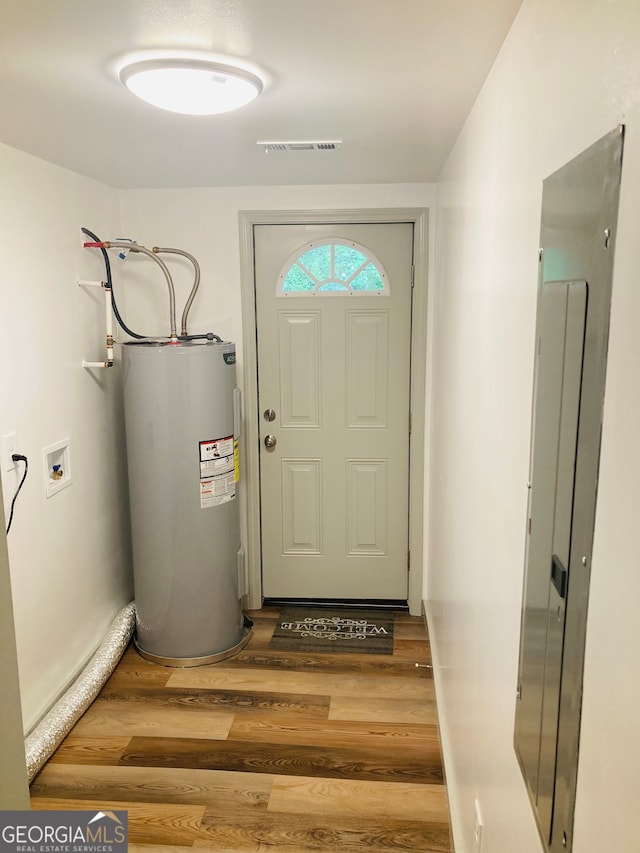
(182, 425)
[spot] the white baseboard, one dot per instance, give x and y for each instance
(445, 739)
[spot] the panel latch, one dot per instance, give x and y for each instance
(559, 576)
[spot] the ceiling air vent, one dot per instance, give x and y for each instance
(300, 145)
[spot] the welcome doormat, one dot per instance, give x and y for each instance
(318, 629)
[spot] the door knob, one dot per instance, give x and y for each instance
(270, 441)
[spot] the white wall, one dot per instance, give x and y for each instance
(568, 73)
(70, 554)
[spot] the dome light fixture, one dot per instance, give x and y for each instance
(198, 87)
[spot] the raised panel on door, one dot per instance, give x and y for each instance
(300, 368)
(301, 506)
(367, 507)
(367, 369)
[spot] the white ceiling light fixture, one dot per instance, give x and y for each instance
(191, 86)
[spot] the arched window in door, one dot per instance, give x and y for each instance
(333, 267)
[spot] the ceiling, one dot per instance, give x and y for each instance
(393, 79)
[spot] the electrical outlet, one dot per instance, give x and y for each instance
(477, 833)
(9, 447)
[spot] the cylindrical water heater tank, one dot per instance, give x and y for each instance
(181, 417)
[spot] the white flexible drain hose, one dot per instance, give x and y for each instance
(53, 728)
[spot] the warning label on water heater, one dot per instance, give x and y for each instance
(217, 471)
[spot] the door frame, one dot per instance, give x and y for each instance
(419, 218)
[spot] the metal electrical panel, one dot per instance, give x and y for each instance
(579, 217)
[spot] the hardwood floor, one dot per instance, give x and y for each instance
(266, 750)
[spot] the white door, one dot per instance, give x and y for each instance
(333, 314)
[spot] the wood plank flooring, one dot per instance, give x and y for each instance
(266, 750)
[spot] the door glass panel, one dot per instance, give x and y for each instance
(318, 262)
(368, 279)
(297, 280)
(333, 285)
(332, 268)
(348, 260)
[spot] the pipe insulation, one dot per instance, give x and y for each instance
(56, 725)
